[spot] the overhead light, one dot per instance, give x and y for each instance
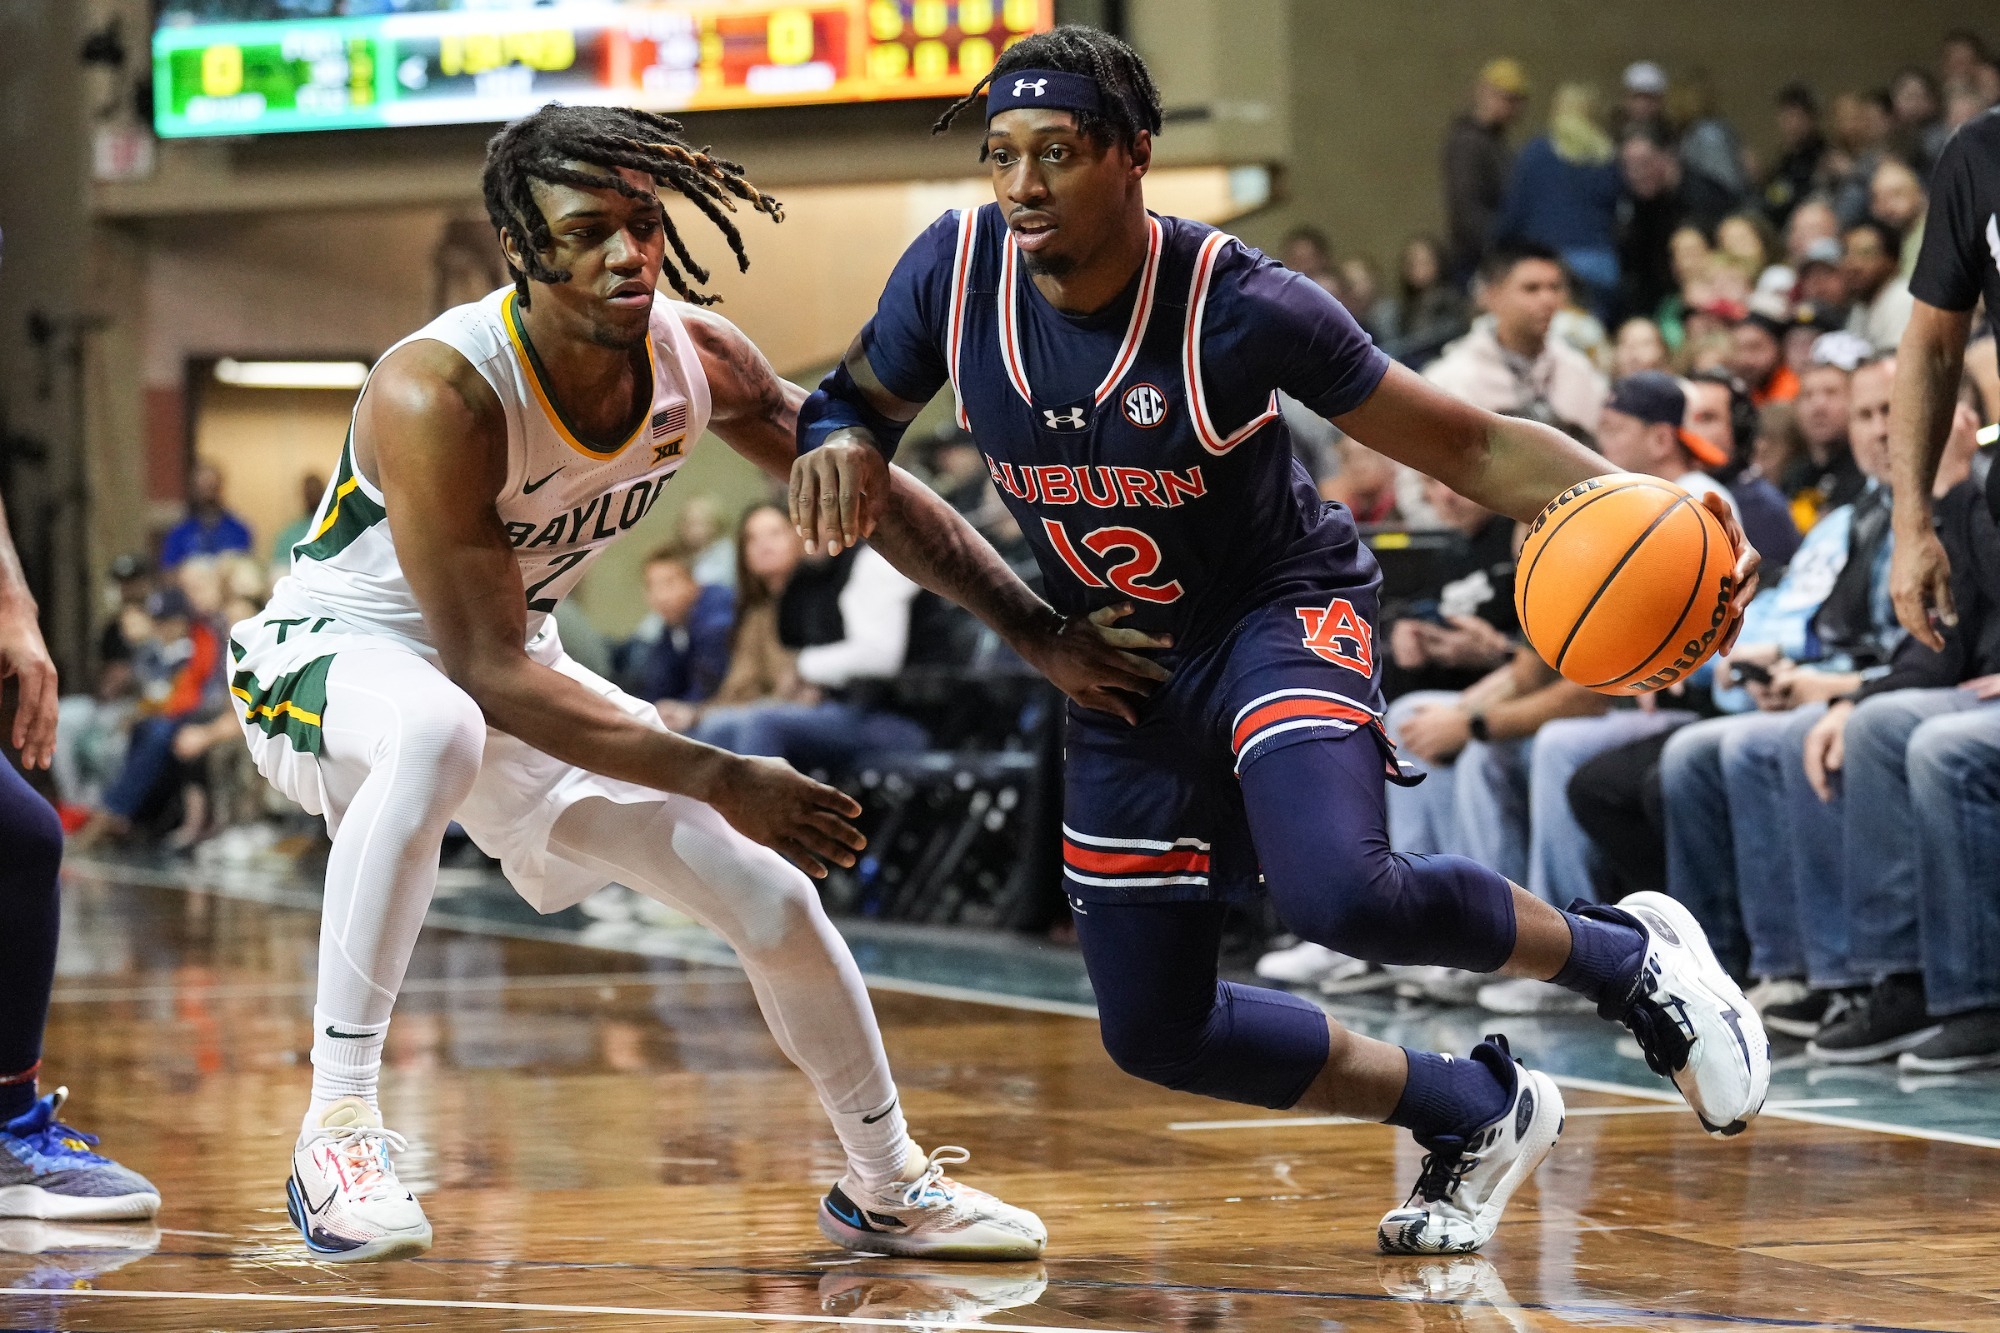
(291, 374)
(1988, 434)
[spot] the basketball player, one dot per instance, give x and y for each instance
(47, 1170)
(408, 672)
(1120, 371)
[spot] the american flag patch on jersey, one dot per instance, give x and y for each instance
(670, 421)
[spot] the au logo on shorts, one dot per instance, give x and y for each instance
(1336, 633)
(1145, 406)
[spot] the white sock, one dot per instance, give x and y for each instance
(878, 1144)
(347, 1061)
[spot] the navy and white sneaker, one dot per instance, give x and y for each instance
(48, 1172)
(930, 1217)
(343, 1194)
(1693, 1023)
(1466, 1182)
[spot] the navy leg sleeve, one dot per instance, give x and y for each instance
(32, 839)
(1317, 815)
(1167, 1019)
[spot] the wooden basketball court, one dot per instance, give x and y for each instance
(609, 1141)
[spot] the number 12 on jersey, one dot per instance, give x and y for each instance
(1138, 561)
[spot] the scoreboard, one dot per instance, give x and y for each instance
(468, 61)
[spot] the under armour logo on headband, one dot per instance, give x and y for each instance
(1022, 85)
(1045, 90)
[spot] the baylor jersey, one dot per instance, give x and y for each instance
(564, 498)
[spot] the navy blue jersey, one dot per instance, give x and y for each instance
(1140, 447)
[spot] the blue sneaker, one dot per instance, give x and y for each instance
(48, 1171)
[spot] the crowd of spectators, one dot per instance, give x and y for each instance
(1819, 798)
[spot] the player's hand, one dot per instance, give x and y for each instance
(1096, 662)
(837, 493)
(769, 801)
(25, 657)
(1920, 585)
(1826, 748)
(1748, 562)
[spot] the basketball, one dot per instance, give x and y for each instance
(1624, 583)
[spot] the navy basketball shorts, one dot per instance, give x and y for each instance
(1154, 812)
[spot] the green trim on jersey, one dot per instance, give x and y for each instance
(290, 706)
(352, 514)
(538, 381)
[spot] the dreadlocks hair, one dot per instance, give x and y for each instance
(1131, 102)
(547, 145)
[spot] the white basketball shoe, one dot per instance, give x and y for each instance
(930, 1217)
(343, 1194)
(1464, 1186)
(1691, 1020)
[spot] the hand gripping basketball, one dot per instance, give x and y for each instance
(1628, 583)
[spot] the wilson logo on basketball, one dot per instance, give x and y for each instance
(1145, 406)
(1334, 632)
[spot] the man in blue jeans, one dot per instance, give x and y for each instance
(1917, 760)
(1724, 782)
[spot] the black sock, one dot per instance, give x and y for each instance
(1606, 949)
(1450, 1098)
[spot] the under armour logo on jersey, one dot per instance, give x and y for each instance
(1337, 634)
(1070, 418)
(1021, 86)
(1145, 406)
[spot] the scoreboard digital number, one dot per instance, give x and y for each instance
(458, 66)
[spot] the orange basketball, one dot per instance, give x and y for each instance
(1624, 583)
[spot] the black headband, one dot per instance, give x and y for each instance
(1042, 88)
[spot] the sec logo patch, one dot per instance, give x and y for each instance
(1145, 406)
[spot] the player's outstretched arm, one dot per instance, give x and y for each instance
(1512, 466)
(438, 443)
(855, 494)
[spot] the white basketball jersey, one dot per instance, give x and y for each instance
(564, 498)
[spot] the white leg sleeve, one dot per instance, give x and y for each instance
(683, 853)
(400, 750)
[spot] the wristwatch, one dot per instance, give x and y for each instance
(1475, 723)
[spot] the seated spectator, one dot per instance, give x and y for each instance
(1795, 172)
(680, 652)
(1918, 131)
(1660, 200)
(1809, 639)
(1477, 162)
(181, 677)
(1508, 363)
(1822, 285)
(1364, 481)
(1638, 347)
(1825, 476)
(1779, 444)
(1307, 252)
(209, 528)
(761, 669)
(1757, 357)
(91, 728)
(1719, 410)
(1896, 198)
(1747, 241)
(1466, 626)
(1870, 258)
(1641, 430)
(1861, 126)
(1425, 310)
(1361, 292)
(1563, 195)
(1902, 771)
(847, 621)
(700, 531)
(312, 487)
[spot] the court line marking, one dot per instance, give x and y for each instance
(528, 1307)
(1505, 1304)
(421, 986)
(232, 884)
(1650, 1108)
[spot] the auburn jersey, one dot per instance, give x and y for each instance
(1140, 447)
